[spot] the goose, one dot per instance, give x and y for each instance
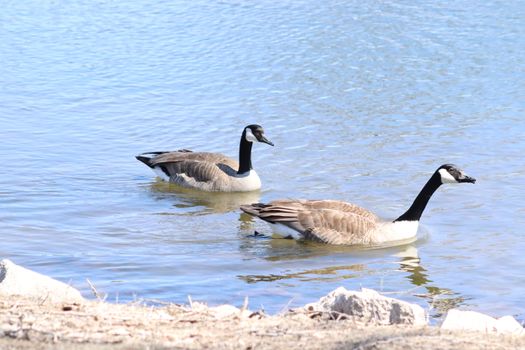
(210, 171)
(342, 223)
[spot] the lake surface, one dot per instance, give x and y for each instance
(362, 100)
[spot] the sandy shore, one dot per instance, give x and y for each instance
(30, 324)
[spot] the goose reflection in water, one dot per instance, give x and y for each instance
(439, 300)
(194, 202)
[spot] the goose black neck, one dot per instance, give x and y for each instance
(416, 209)
(245, 155)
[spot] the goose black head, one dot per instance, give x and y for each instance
(450, 173)
(255, 133)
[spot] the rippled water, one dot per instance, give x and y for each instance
(363, 102)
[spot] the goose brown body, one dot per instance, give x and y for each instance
(326, 221)
(204, 170)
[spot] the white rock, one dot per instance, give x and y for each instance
(223, 311)
(16, 280)
(220, 311)
(475, 321)
(368, 306)
(509, 324)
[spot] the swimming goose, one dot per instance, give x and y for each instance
(210, 171)
(337, 222)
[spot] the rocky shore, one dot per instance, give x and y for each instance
(37, 312)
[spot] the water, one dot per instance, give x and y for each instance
(363, 101)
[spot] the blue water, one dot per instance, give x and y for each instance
(362, 100)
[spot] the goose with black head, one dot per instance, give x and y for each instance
(338, 222)
(208, 171)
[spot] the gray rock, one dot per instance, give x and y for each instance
(369, 307)
(18, 281)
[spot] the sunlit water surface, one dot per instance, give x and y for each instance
(363, 100)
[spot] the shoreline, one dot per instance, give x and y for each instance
(31, 324)
(38, 312)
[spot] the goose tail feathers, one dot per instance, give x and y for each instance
(148, 156)
(253, 209)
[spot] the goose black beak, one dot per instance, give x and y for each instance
(467, 179)
(265, 140)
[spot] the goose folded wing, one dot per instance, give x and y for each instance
(197, 171)
(330, 226)
(334, 226)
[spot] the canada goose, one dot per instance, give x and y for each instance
(210, 171)
(337, 222)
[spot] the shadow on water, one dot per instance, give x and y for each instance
(195, 202)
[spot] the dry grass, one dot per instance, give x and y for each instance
(30, 324)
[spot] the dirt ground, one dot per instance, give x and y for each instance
(29, 324)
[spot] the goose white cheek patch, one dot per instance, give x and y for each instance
(249, 136)
(446, 178)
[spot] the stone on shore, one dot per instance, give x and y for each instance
(220, 311)
(475, 321)
(18, 281)
(369, 307)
